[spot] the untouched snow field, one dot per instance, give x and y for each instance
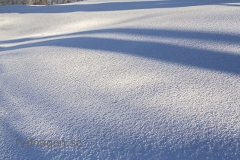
(133, 80)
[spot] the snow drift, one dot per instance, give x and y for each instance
(129, 79)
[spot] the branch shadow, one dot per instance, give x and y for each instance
(111, 6)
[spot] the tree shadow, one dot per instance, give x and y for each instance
(102, 141)
(208, 148)
(189, 56)
(1, 69)
(10, 147)
(217, 37)
(112, 142)
(111, 6)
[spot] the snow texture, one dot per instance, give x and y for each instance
(130, 79)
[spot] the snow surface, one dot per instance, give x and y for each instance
(130, 79)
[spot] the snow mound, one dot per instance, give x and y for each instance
(120, 80)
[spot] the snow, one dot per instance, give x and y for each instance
(129, 79)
